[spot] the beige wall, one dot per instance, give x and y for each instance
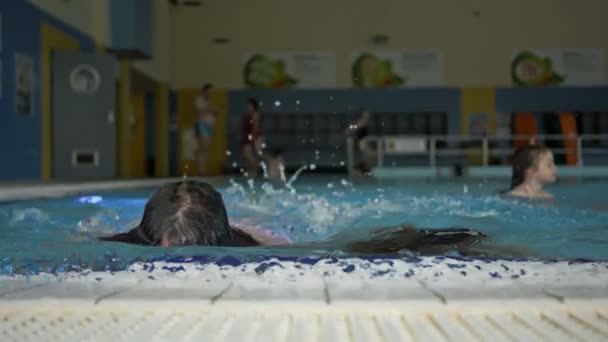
(159, 67)
(92, 18)
(76, 13)
(477, 49)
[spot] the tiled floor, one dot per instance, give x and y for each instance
(235, 320)
(328, 302)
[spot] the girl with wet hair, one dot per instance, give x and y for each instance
(533, 168)
(185, 213)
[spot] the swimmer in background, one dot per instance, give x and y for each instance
(276, 167)
(205, 123)
(358, 131)
(533, 168)
(250, 137)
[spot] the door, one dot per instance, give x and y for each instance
(84, 131)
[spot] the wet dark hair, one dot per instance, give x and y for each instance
(254, 103)
(524, 158)
(207, 86)
(185, 213)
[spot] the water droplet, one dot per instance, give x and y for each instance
(313, 166)
(465, 189)
(228, 153)
(297, 102)
(264, 169)
(342, 163)
(277, 103)
(234, 164)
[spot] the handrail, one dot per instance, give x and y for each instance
(484, 149)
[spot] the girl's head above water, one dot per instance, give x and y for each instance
(533, 167)
(185, 213)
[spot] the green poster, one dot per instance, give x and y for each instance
(533, 69)
(371, 71)
(261, 71)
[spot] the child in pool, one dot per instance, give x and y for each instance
(193, 213)
(533, 168)
(276, 167)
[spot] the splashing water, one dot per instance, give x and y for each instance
(294, 177)
(264, 169)
(282, 172)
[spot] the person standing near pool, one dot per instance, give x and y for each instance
(205, 122)
(533, 168)
(358, 131)
(250, 139)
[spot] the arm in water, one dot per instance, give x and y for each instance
(423, 241)
(389, 240)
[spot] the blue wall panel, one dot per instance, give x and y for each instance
(132, 25)
(20, 144)
(552, 99)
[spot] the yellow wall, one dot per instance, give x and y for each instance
(138, 136)
(478, 100)
(50, 39)
(123, 122)
(472, 101)
(161, 130)
(186, 119)
(477, 49)
(76, 13)
(92, 17)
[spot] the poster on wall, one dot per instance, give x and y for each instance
(554, 67)
(392, 68)
(478, 124)
(24, 83)
(289, 70)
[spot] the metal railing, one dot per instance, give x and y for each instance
(476, 145)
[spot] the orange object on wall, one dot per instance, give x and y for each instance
(524, 124)
(567, 122)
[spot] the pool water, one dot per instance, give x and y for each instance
(55, 235)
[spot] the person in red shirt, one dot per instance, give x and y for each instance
(250, 138)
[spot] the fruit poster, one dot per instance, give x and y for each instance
(289, 70)
(554, 67)
(392, 68)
